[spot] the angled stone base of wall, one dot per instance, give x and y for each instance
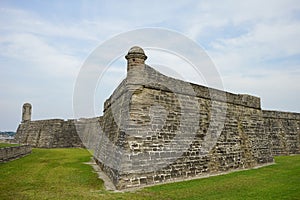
(154, 135)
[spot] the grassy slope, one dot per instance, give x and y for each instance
(61, 174)
(7, 145)
(49, 174)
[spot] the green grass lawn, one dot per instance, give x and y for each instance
(62, 174)
(7, 145)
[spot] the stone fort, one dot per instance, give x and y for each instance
(157, 129)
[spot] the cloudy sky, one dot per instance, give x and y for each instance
(255, 46)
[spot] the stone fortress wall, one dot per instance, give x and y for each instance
(57, 133)
(283, 129)
(14, 152)
(52, 133)
(157, 129)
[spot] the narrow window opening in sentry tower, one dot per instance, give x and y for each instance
(133, 60)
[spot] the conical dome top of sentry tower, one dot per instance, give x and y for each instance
(135, 56)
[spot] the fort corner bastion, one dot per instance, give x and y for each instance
(157, 129)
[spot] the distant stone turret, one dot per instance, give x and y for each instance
(26, 112)
(136, 57)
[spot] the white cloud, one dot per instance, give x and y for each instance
(277, 89)
(39, 55)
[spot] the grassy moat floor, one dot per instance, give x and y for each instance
(62, 174)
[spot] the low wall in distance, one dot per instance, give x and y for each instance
(11, 153)
(283, 129)
(51, 133)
